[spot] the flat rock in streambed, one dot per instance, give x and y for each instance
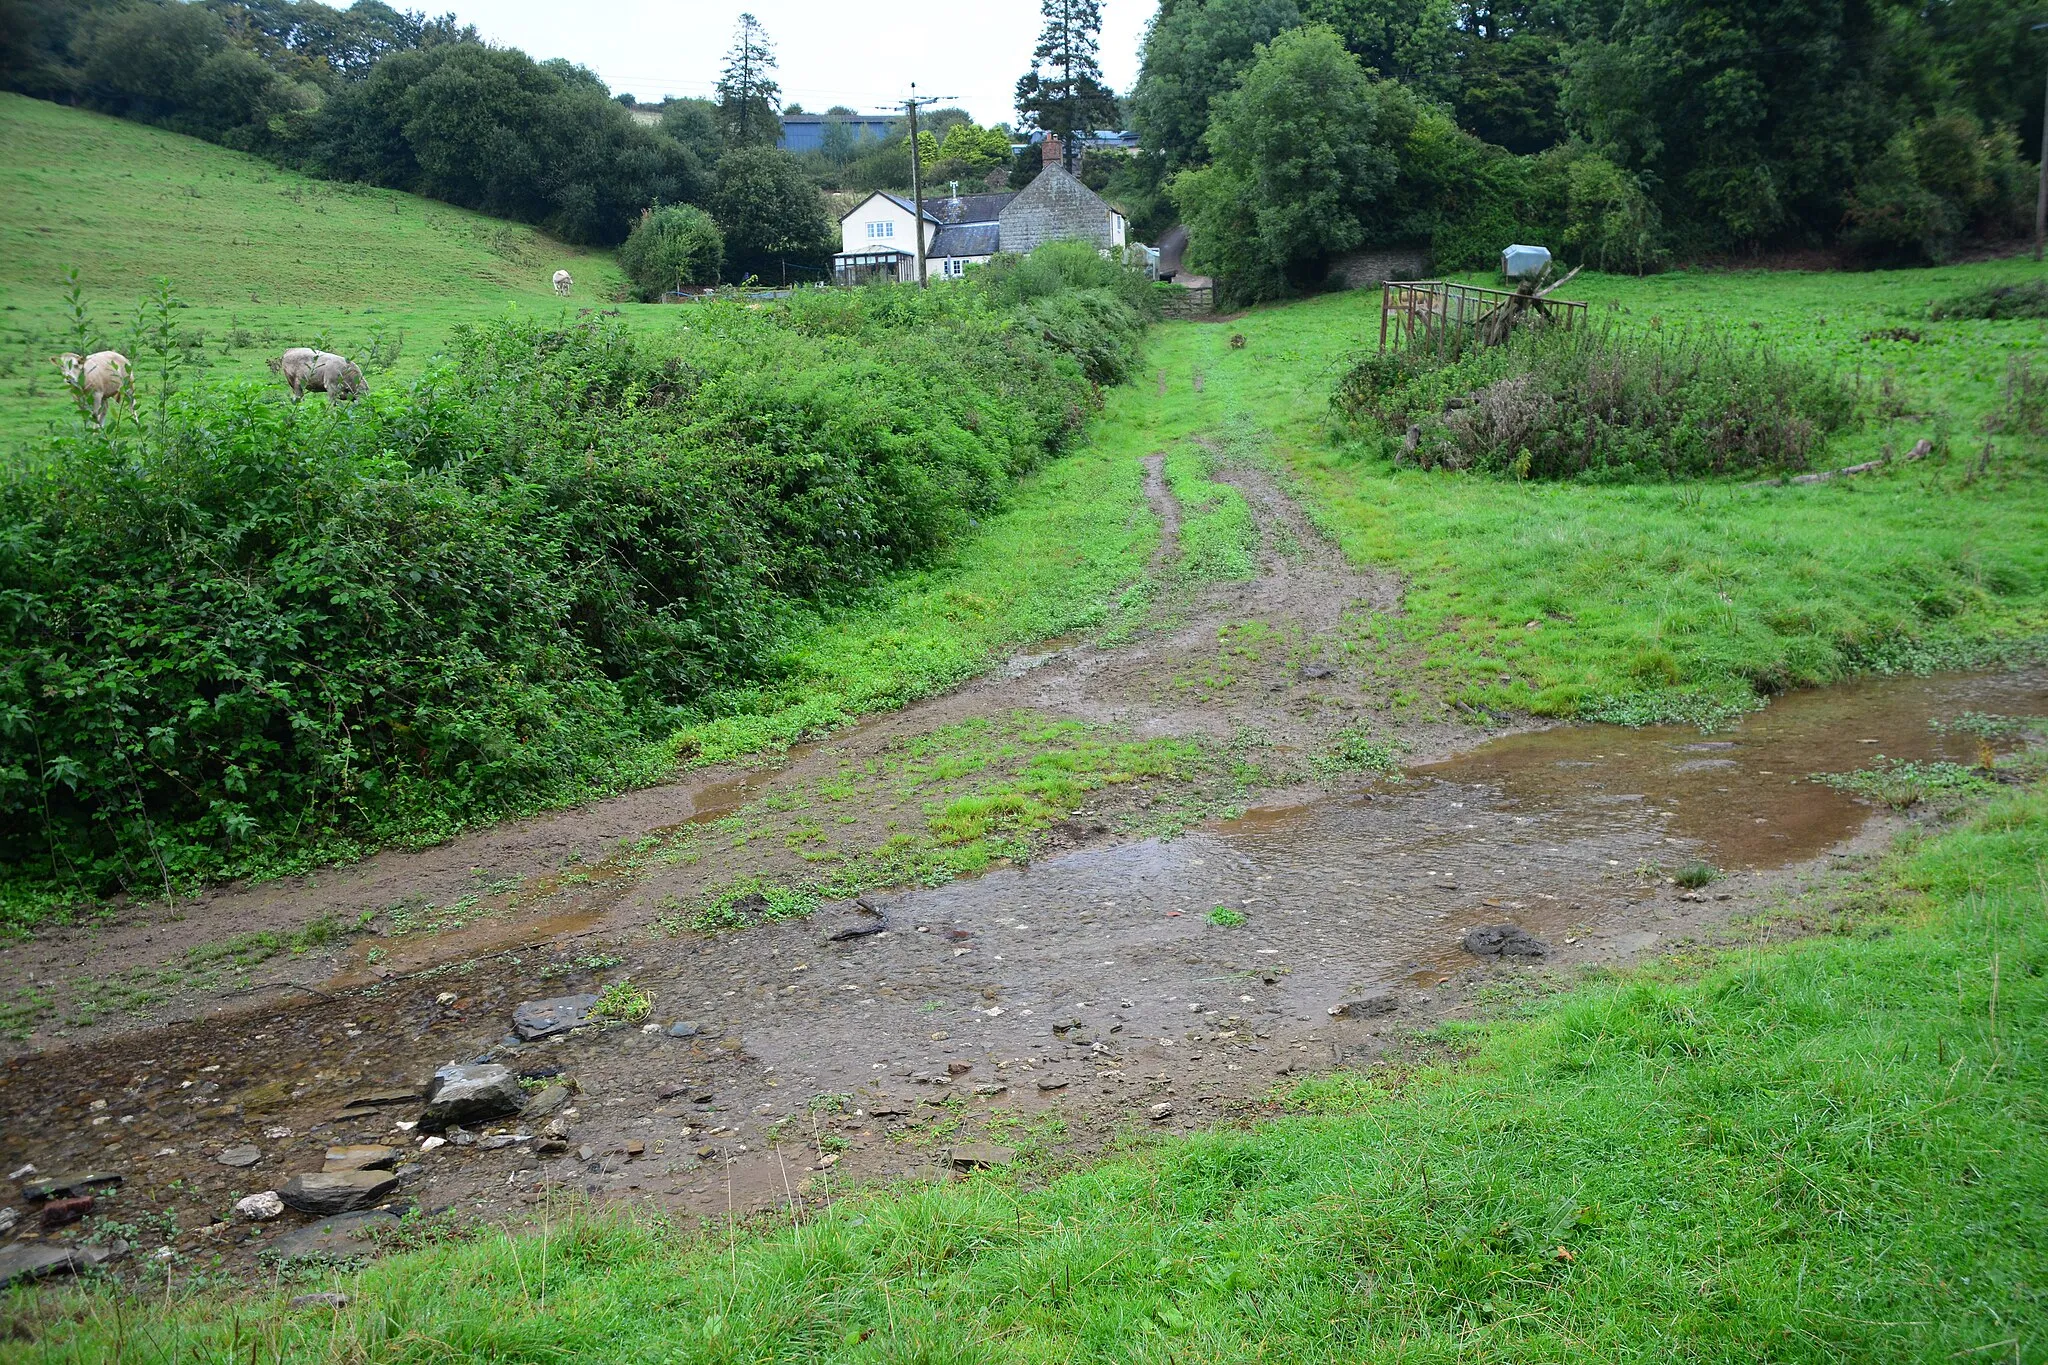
(972, 1156)
(24, 1261)
(360, 1156)
(345, 1237)
(336, 1191)
(1370, 1005)
(240, 1156)
(38, 1190)
(544, 1018)
(470, 1094)
(1504, 940)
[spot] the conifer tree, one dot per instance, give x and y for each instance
(1063, 93)
(746, 95)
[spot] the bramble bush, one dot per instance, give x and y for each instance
(1601, 403)
(244, 635)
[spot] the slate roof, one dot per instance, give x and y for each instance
(967, 239)
(969, 208)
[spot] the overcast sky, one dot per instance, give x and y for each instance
(831, 51)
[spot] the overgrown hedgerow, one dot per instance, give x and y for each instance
(1602, 403)
(248, 632)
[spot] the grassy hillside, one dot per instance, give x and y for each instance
(266, 258)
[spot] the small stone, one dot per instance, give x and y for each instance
(445, 998)
(461, 1138)
(498, 1140)
(381, 1099)
(239, 1156)
(277, 1130)
(706, 1152)
(1503, 940)
(1370, 1005)
(334, 1301)
(996, 1088)
(260, 1208)
(636, 1148)
(542, 1018)
(828, 1161)
(1052, 1083)
(1160, 1111)
(60, 1213)
(980, 1155)
(22, 1172)
(959, 1068)
(360, 1156)
(684, 1028)
(547, 1102)
(329, 1192)
(428, 1144)
(8, 1218)
(461, 1094)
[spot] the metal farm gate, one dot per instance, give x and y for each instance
(1438, 314)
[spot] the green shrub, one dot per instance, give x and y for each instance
(1996, 302)
(249, 633)
(671, 245)
(1601, 403)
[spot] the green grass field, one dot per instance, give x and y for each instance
(1832, 1150)
(266, 258)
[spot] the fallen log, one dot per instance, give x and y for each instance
(1920, 451)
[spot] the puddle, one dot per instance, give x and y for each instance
(371, 960)
(1743, 797)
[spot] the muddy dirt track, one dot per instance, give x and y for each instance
(1146, 967)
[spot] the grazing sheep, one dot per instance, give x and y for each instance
(562, 283)
(100, 378)
(306, 370)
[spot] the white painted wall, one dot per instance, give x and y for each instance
(879, 211)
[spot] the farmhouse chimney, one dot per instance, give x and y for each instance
(1050, 151)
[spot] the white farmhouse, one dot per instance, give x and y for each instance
(878, 237)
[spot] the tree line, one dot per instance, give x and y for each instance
(1621, 132)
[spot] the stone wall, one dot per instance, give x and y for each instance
(1054, 207)
(1365, 269)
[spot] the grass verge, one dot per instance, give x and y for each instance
(1830, 1149)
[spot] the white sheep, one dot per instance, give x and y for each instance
(100, 378)
(306, 370)
(562, 283)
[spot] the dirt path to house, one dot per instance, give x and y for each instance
(1150, 961)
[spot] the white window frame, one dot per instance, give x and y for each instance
(880, 228)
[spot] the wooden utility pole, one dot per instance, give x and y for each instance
(2041, 195)
(917, 174)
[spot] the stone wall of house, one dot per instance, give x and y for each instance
(1054, 207)
(1365, 269)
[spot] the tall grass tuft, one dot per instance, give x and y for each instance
(1604, 403)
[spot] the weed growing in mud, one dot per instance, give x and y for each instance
(1696, 874)
(1902, 784)
(624, 1001)
(1223, 916)
(1355, 748)
(1986, 726)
